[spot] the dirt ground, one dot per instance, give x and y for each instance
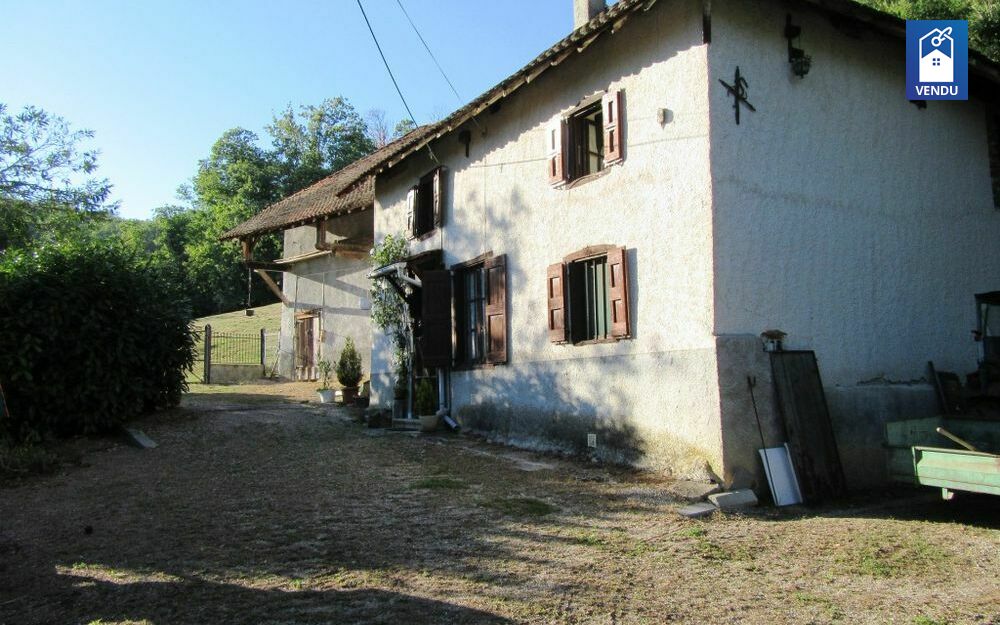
(258, 508)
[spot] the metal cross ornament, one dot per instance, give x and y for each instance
(739, 92)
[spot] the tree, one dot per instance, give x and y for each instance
(239, 179)
(403, 126)
(983, 17)
(378, 128)
(317, 141)
(46, 178)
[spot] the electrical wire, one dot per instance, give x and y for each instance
(426, 47)
(386, 63)
(434, 58)
(395, 84)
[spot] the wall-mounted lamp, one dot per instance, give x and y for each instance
(797, 57)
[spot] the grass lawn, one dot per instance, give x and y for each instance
(267, 318)
(260, 506)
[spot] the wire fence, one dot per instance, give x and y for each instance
(231, 348)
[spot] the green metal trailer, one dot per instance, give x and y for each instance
(919, 453)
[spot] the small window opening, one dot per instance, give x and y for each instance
(586, 141)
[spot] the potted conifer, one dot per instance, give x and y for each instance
(399, 392)
(349, 371)
(425, 405)
(326, 393)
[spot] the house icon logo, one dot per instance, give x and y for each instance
(937, 56)
(937, 59)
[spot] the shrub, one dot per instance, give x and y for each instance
(425, 401)
(90, 336)
(324, 373)
(402, 381)
(349, 366)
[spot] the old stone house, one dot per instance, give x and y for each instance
(603, 236)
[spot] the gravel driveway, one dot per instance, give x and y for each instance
(257, 508)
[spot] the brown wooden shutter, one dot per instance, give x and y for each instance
(439, 197)
(618, 292)
(496, 309)
(556, 286)
(435, 322)
(612, 111)
(555, 138)
(411, 211)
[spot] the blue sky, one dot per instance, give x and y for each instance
(158, 82)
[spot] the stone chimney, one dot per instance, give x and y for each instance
(585, 10)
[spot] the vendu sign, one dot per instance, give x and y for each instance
(937, 59)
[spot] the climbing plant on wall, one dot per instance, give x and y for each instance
(388, 310)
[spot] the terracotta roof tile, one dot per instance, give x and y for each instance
(341, 192)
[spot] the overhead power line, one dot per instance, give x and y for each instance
(434, 58)
(426, 47)
(386, 63)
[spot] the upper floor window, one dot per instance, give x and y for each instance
(425, 204)
(587, 140)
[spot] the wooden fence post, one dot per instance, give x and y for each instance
(262, 359)
(208, 354)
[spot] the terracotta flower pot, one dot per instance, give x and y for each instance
(350, 394)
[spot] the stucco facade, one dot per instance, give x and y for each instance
(838, 212)
(651, 399)
(335, 286)
(847, 217)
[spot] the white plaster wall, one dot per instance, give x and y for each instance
(845, 216)
(657, 390)
(338, 287)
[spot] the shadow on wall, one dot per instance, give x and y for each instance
(556, 403)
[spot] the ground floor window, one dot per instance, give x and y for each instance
(589, 308)
(588, 296)
(471, 315)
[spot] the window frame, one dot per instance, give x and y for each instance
(560, 300)
(462, 316)
(566, 144)
(425, 205)
(498, 310)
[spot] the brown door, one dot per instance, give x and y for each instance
(305, 347)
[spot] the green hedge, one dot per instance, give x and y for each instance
(90, 336)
